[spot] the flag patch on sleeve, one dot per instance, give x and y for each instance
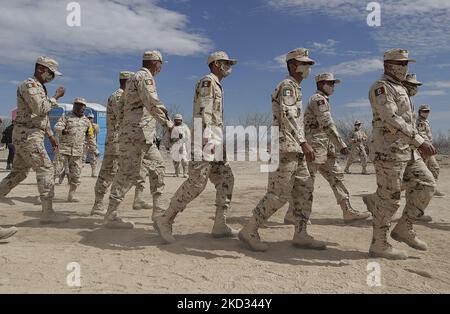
(379, 91)
(206, 84)
(149, 82)
(288, 92)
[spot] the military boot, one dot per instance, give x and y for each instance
(303, 240)
(139, 203)
(6, 233)
(250, 236)
(157, 209)
(97, 209)
(424, 218)
(438, 193)
(112, 221)
(71, 197)
(220, 228)
(4, 190)
(49, 216)
(163, 225)
(350, 214)
(364, 171)
(380, 247)
(404, 232)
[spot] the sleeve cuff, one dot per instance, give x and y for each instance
(418, 140)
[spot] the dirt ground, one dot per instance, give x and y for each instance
(36, 258)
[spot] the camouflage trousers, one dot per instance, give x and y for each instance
(219, 173)
(137, 161)
(60, 165)
(358, 151)
(290, 182)
(392, 178)
(110, 168)
(433, 166)
(93, 158)
(333, 173)
(30, 154)
(75, 165)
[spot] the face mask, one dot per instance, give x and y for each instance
(47, 77)
(412, 90)
(226, 69)
(178, 123)
(328, 89)
(399, 71)
(424, 115)
(304, 70)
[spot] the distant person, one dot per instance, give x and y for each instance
(7, 140)
(180, 137)
(358, 148)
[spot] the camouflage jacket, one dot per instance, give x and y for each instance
(395, 136)
(424, 129)
(320, 129)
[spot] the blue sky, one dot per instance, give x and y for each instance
(113, 35)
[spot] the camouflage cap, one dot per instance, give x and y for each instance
(397, 54)
(220, 55)
(300, 54)
(125, 75)
(327, 76)
(178, 117)
(80, 100)
(357, 122)
(51, 64)
(424, 108)
(152, 55)
(412, 79)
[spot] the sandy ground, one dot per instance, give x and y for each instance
(36, 259)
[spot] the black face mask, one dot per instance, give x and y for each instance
(78, 110)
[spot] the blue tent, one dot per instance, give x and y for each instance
(99, 112)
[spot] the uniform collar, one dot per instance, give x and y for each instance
(391, 79)
(322, 94)
(39, 84)
(289, 77)
(215, 78)
(147, 70)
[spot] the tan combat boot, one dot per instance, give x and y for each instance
(49, 216)
(303, 240)
(112, 221)
(380, 247)
(6, 233)
(163, 225)
(157, 209)
(250, 236)
(139, 203)
(4, 190)
(220, 228)
(350, 214)
(438, 193)
(71, 197)
(404, 232)
(364, 171)
(97, 209)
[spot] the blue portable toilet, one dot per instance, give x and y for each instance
(99, 112)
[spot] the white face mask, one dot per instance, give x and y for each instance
(399, 71)
(412, 90)
(47, 77)
(304, 70)
(328, 89)
(226, 69)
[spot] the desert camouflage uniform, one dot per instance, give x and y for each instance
(180, 138)
(32, 123)
(397, 164)
(137, 139)
(358, 150)
(424, 129)
(71, 145)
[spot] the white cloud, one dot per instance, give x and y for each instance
(326, 48)
(433, 93)
(31, 28)
(438, 84)
(419, 25)
(359, 103)
(356, 67)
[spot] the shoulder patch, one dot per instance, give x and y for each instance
(380, 91)
(149, 82)
(288, 92)
(323, 105)
(206, 84)
(31, 85)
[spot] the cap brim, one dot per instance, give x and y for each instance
(57, 73)
(306, 60)
(232, 61)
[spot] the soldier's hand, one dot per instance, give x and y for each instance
(427, 150)
(60, 91)
(345, 151)
(54, 142)
(309, 152)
